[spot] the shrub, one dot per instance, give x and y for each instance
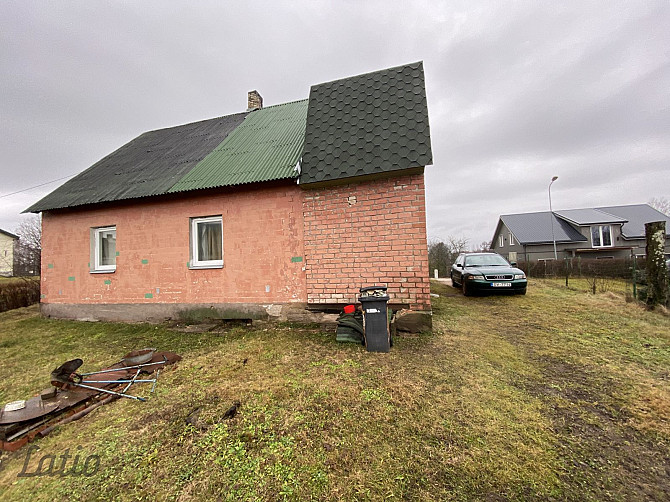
(19, 293)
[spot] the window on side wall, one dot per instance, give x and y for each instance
(207, 242)
(601, 236)
(501, 240)
(511, 239)
(104, 249)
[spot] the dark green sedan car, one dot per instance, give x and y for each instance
(487, 272)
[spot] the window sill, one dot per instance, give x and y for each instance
(204, 267)
(102, 271)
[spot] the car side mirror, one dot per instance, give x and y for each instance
(513, 263)
(459, 265)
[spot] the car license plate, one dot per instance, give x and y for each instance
(501, 284)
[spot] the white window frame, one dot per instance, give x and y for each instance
(195, 262)
(501, 240)
(97, 266)
(511, 239)
(600, 233)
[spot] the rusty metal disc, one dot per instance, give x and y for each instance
(140, 356)
(34, 408)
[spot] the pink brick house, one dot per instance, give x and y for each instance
(288, 206)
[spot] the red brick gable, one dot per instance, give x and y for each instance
(367, 233)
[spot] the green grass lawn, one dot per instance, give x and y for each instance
(556, 395)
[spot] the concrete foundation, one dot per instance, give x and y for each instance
(408, 321)
(159, 312)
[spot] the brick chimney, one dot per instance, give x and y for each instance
(255, 101)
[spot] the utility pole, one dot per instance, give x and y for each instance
(551, 215)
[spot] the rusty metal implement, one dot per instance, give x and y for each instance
(74, 394)
(66, 376)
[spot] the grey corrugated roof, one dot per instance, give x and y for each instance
(535, 228)
(637, 215)
(148, 165)
(588, 216)
(265, 147)
(367, 124)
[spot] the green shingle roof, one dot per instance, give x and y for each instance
(371, 123)
(265, 147)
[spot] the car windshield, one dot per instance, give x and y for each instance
(485, 260)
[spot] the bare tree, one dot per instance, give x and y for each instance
(441, 255)
(483, 247)
(28, 253)
(661, 204)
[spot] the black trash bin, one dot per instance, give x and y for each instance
(375, 300)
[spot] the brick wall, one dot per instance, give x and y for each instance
(367, 233)
(262, 246)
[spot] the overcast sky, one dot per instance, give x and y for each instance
(518, 92)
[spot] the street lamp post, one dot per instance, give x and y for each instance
(551, 215)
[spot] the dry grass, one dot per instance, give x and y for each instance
(558, 395)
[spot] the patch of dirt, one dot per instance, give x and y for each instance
(605, 458)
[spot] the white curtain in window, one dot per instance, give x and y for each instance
(209, 241)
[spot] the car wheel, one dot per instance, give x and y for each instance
(522, 292)
(466, 289)
(453, 283)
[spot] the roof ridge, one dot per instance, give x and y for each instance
(533, 212)
(623, 205)
(222, 116)
(600, 209)
(608, 214)
(192, 123)
(368, 73)
(280, 104)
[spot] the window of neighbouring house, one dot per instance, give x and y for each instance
(501, 240)
(104, 252)
(511, 239)
(207, 242)
(601, 236)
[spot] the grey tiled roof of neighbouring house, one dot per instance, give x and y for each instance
(588, 216)
(148, 165)
(367, 124)
(535, 228)
(637, 215)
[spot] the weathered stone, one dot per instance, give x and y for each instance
(413, 321)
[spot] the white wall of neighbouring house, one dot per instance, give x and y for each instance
(6, 255)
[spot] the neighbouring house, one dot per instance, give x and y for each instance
(250, 215)
(602, 232)
(7, 245)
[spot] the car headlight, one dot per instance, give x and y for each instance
(519, 276)
(475, 278)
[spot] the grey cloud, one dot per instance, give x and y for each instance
(517, 92)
